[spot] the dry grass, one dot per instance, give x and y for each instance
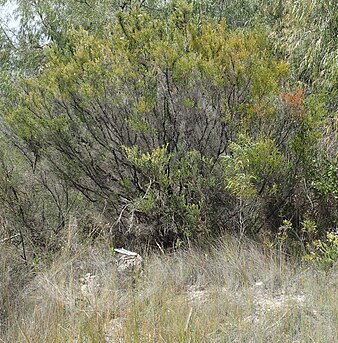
(231, 293)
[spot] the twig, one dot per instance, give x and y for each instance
(9, 238)
(161, 249)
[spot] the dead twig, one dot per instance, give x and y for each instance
(9, 238)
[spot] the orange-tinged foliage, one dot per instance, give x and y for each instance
(294, 100)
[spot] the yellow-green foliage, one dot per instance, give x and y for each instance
(149, 80)
(323, 251)
(153, 164)
(252, 162)
(137, 49)
(176, 118)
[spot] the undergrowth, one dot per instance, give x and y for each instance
(234, 291)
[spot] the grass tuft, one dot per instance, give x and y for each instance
(232, 292)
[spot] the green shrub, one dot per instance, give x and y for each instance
(174, 124)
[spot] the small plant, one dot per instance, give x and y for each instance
(283, 234)
(323, 252)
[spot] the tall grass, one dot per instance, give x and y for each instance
(230, 292)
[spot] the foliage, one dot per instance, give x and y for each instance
(175, 121)
(323, 252)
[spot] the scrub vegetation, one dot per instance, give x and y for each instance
(201, 134)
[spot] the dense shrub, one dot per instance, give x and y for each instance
(175, 124)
